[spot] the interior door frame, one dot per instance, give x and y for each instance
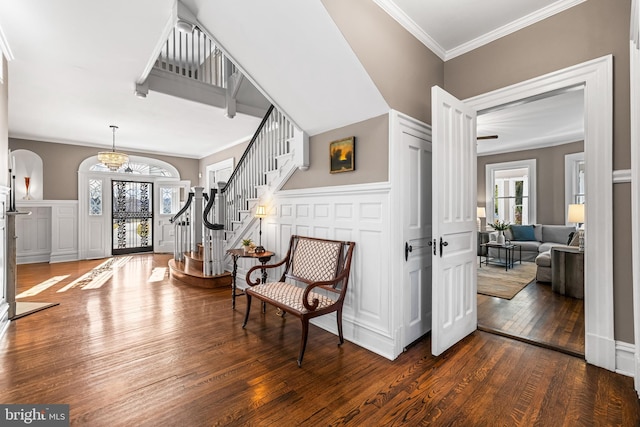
(597, 77)
(400, 123)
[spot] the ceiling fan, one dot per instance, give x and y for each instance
(487, 137)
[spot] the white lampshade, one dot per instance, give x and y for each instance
(481, 212)
(575, 214)
(261, 212)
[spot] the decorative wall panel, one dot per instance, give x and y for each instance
(359, 213)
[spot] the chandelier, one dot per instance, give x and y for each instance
(113, 159)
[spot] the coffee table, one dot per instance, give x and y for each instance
(509, 254)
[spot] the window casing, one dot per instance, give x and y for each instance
(510, 192)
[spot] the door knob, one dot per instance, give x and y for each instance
(442, 244)
(407, 248)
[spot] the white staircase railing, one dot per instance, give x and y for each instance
(195, 56)
(271, 140)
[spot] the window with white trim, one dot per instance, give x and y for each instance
(574, 180)
(510, 192)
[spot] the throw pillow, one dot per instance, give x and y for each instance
(570, 237)
(575, 239)
(523, 232)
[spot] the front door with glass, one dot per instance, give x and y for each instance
(132, 216)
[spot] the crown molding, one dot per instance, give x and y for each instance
(512, 27)
(409, 24)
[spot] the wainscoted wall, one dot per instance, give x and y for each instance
(358, 213)
(49, 234)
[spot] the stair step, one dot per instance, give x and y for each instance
(181, 272)
(193, 260)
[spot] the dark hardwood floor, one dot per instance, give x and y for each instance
(536, 314)
(135, 352)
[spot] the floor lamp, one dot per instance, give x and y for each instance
(261, 212)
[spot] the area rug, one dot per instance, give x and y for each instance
(494, 281)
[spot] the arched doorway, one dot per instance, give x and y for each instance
(127, 210)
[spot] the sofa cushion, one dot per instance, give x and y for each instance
(523, 232)
(556, 233)
(546, 246)
(544, 259)
(528, 246)
(508, 234)
(537, 231)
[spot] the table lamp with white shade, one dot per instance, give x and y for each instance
(575, 214)
(481, 213)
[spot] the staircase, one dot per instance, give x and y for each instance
(203, 234)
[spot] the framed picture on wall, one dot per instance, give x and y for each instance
(342, 156)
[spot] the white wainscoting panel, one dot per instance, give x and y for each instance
(359, 213)
(49, 234)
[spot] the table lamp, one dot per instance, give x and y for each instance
(261, 212)
(481, 213)
(575, 214)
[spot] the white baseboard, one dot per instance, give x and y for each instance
(64, 257)
(600, 351)
(358, 334)
(625, 359)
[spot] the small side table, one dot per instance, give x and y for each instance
(263, 257)
(567, 271)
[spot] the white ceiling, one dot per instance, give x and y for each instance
(75, 64)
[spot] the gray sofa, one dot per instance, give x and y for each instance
(539, 249)
(546, 237)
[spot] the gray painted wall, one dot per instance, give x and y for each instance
(371, 156)
(590, 30)
(549, 178)
(61, 162)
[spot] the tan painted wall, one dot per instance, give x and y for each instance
(401, 67)
(590, 30)
(234, 152)
(61, 162)
(549, 178)
(4, 123)
(371, 156)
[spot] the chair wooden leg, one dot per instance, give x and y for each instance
(339, 319)
(303, 342)
(246, 314)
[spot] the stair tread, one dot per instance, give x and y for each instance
(196, 277)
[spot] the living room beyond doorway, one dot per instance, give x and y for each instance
(531, 193)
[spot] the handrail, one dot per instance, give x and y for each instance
(207, 210)
(248, 149)
(186, 206)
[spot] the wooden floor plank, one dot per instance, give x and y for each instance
(134, 352)
(538, 314)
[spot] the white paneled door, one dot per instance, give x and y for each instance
(454, 220)
(416, 227)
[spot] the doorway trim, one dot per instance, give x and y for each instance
(597, 77)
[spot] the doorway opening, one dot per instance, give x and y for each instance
(132, 217)
(536, 135)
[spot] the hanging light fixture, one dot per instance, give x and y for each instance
(113, 159)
